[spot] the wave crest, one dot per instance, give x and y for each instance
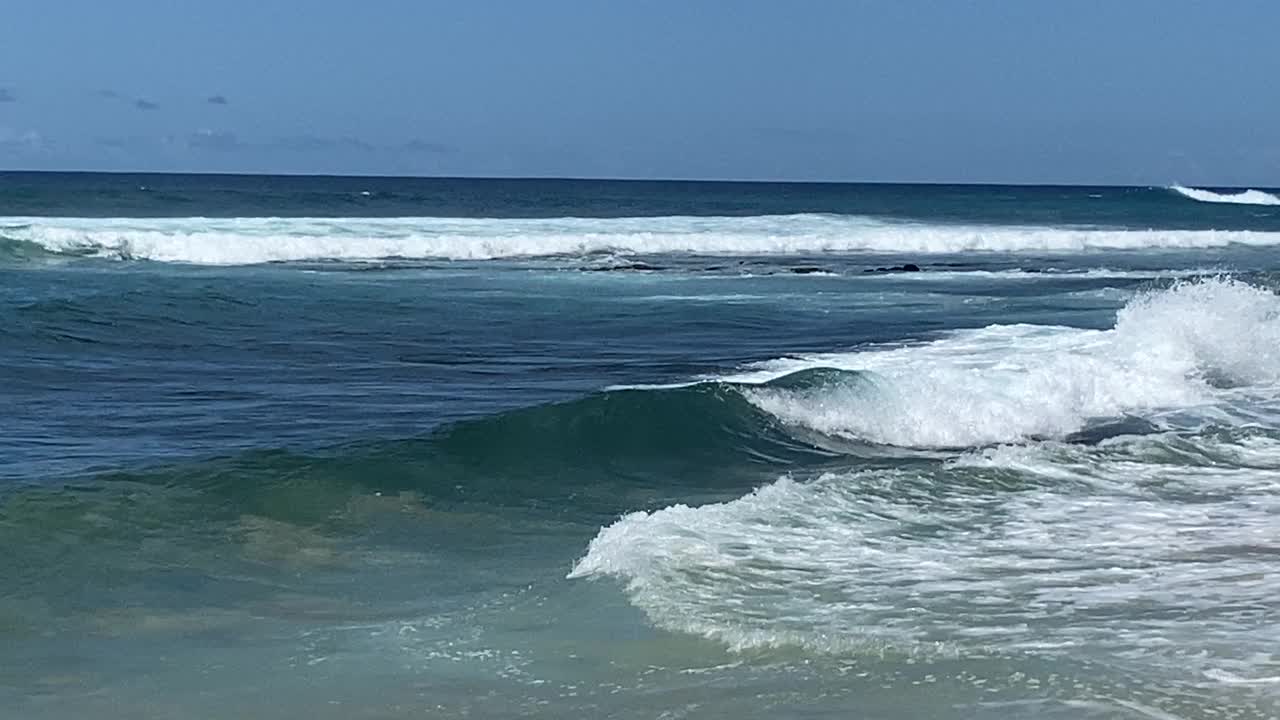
(1246, 197)
(1169, 351)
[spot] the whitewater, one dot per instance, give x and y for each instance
(1189, 346)
(247, 241)
(1244, 197)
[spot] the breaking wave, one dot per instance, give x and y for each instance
(1245, 197)
(247, 241)
(1169, 351)
(1031, 534)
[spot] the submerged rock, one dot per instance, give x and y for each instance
(907, 267)
(631, 266)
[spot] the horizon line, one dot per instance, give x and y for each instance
(623, 179)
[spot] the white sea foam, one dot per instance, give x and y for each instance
(1086, 551)
(237, 241)
(1245, 197)
(1191, 346)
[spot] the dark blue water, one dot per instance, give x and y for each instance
(376, 447)
(161, 196)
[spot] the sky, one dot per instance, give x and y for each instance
(1020, 91)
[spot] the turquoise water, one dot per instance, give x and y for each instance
(394, 448)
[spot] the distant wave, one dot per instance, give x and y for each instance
(246, 241)
(1247, 197)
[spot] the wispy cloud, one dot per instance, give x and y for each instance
(216, 100)
(427, 147)
(223, 141)
(137, 102)
(321, 144)
(118, 143)
(215, 140)
(211, 143)
(6, 96)
(802, 134)
(27, 141)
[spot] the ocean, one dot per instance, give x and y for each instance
(380, 448)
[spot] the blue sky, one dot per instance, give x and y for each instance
(1138, 91)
